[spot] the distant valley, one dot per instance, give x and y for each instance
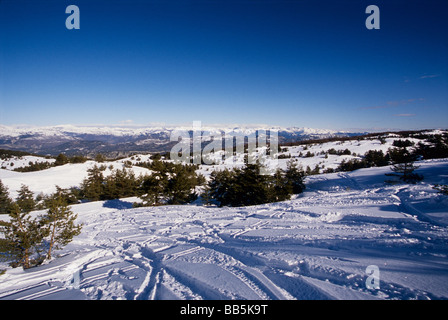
(123, 141)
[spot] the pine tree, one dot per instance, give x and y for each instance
(316, 170)
(281, 189)
(309, 172)
(152, 188)
(25, 199)
(61, 159)
(59, 223)
(92, 187)
(100, 158)
(5, 200)
(70, 196)
(375, 158)
(23, 237)
(249, 186)
(180, 187)
(219, 189)
(403, 163)
(294, 177)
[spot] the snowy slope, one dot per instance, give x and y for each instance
(316, 246)
(20, 162)
(66, 176)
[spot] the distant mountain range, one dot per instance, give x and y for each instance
(116, 141)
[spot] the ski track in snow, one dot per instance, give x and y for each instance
(316, 246)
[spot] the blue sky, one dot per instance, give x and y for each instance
(287, 63)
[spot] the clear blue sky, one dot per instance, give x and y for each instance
(287, 63)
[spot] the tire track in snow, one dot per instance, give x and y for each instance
(32, 292)
(196, 286)
(41, 294)
(255, 284)
(184, 252)
(249, 270)
(273, 291)
(255, 226)
(148, 288)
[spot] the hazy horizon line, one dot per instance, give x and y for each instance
(132, 125)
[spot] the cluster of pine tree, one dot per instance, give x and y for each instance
(34, 166)
(170, 183)
(372, 158)
(400, 157)
(119, 184)
(60, 160)
(29, 240)
(403, 164)
(247, 186)
(436, 147)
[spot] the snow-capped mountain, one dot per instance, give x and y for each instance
(122, 140)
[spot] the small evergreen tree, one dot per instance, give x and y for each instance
(78, 159)
(152, 188)
(403, 163)
(181, 185)
(251, 187)
(100, 158)
(59, 223)
(70, 196)
(120, 184)
(308, 171)
(219, 189)
(375, 158)
(294, 177)
(61, 159)
(25, 199)
(5, 200)
(92, 187)
(281, 188)
(23, 238)
(402, 143)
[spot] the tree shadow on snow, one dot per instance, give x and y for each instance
(117, 204)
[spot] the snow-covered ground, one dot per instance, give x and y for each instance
(20, 162)
(316, 246)
(65, 176)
